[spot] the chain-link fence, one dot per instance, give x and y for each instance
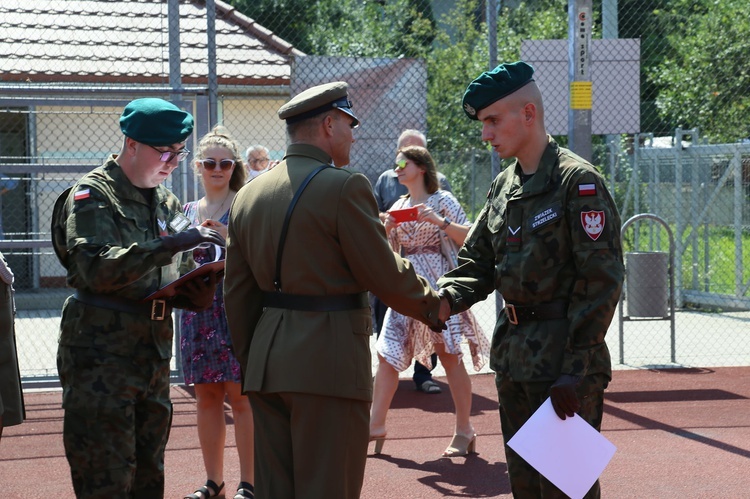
(67, 69)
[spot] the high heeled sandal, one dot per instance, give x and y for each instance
(245, 490)
(461, 445)
(379, 442)
(211, 489)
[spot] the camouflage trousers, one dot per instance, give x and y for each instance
(518, 401)
(116, 423)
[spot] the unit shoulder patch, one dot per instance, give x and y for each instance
(82, 194)
(593, 223)
(587, 189)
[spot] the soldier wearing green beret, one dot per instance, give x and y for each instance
(548, 239)
(120, 234)
(296, 300)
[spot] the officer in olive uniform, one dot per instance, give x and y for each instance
(119, 234)
(11, 397)
(296, 300)
(548, 239)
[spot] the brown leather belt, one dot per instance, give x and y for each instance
(543, 312)
(156, 310)
(318, 303)
(418, 250)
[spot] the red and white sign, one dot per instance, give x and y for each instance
(593, 223)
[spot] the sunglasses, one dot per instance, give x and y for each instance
(167, 156)
(210, 164)
(400, 165)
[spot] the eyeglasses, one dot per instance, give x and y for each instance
(400, 165)
(354, 124)
(260, 160)
(167, 156)
(210, 164)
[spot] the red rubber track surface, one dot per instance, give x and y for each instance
(680, 433)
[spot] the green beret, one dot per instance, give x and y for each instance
(491, 86)
(317, 100)
(155, 122)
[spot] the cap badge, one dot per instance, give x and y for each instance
(470, 110)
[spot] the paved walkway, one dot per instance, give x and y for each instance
(701, 339)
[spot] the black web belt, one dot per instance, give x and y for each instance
(544, 312)
(310, 303)
(156, 310)
(307, 303)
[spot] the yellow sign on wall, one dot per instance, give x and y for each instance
(580, 94)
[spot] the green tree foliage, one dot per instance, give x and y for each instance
(706, 81)
(534, 20)
(639, 19)
(289, 19)
(461, 52)
(355, 28)
(455, 54)
(400, 28)
(694, 52)
(452, 64)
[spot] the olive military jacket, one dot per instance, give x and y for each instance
(556, 238)
(114, 249)
(335, 245)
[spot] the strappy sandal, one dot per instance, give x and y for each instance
(430, 387)
(244, 491)
(211, 489)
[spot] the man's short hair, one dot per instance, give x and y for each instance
(411, 133)
(255, 148)
(303, 128)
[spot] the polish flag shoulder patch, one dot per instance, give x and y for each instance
(587, 189)
(593, 223)
(82, 194)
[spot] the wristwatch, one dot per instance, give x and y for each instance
(446, 223)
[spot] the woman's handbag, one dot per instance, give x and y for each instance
(449, 249)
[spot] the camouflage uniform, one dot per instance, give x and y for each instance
(553, 240)
(114, 365)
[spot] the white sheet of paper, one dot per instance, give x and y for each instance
(570, 453)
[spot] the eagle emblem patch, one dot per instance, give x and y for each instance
(593, 223)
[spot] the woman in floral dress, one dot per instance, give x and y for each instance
(404, 338)
(205, 344)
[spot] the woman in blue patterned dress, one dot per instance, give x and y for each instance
(205, 344)
(403, 338)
